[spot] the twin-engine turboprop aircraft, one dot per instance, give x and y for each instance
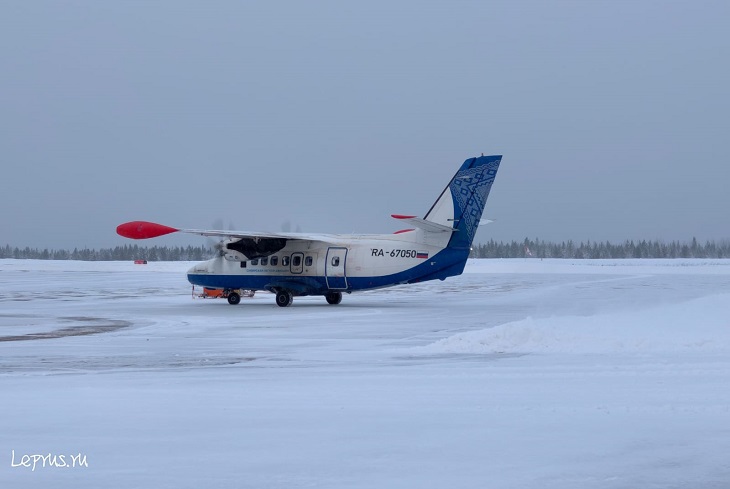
(299, 264)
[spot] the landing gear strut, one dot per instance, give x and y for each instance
(284, 298)
(333, 297)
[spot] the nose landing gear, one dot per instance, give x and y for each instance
(333, 297)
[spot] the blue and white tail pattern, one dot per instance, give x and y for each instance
(462, 202)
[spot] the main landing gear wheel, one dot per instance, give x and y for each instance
(284, 298)
(333, 297)
(234, 298)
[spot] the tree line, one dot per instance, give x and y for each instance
(602, 249)
(119, 253)
(528, 248)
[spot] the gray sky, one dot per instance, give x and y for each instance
(612, 116)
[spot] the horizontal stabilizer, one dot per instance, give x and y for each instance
(424, 224)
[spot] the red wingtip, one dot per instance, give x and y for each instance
(401, 216)
(143, 230)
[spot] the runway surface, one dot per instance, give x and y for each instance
(519, 373)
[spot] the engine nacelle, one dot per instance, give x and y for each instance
(251, 248)
(230, 254)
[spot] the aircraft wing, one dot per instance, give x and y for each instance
(146, 230)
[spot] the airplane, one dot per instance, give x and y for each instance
(302, 264)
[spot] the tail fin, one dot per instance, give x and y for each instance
(461, 204)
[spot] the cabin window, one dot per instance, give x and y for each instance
(335, 261)
(264, 261)
(243, 264)
(274, 261)
(255, 261)
(308, 261)
(296, 261)
(285, 261)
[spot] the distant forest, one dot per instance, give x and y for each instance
(595, 249)
(120, 253)
(493, 249)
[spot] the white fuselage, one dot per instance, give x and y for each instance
(333, 262)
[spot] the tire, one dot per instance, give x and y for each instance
(234, 298)
(284, 298)
(333, 297)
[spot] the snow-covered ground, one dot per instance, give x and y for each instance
(517, 374)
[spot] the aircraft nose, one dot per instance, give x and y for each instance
(199, 268)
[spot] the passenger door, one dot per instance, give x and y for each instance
(297, 262)
(334, 268)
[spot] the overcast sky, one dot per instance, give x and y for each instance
(612, 116)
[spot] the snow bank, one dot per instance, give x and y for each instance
(679, 266)
(701, 325)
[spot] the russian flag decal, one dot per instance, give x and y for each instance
(422, 254)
